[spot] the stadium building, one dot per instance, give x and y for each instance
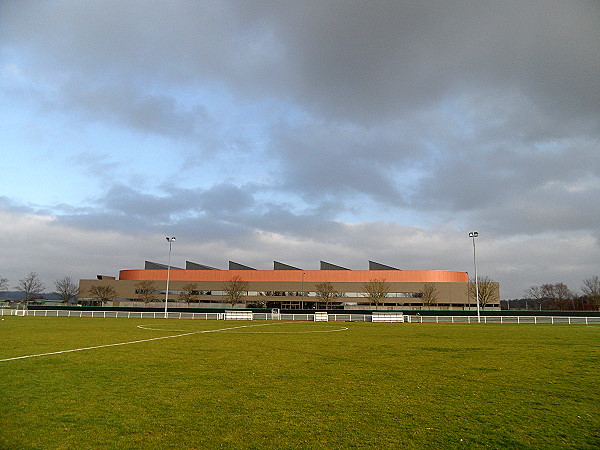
(288, 287)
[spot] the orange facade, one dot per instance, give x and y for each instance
(308, 276)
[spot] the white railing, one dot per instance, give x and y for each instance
(344, 317)
(112, 314)
(504, 319)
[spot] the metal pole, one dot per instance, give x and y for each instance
(473, 235)
(302, 294)
(170, 240)
(468, 293)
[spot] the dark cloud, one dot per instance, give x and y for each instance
(125, 200)
(504, 169)
(8, 204)
(329, 161)
(125, 106)
(354, 60)
(368, 61)
(551, 208)
(174, 204)
(224, 198)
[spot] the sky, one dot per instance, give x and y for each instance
(343, 131)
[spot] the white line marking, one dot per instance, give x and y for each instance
(289, 332)
(144, 327)
(130, 342)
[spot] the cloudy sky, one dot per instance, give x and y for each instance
(301, 131)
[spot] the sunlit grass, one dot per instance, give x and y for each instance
(284, 385)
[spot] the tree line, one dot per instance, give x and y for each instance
(555, 296)
(32, 287)
(558, 296)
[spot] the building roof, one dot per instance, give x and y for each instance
(308, 276)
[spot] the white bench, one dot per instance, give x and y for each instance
(387, 317)
(239, 315)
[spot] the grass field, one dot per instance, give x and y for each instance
(297, 385)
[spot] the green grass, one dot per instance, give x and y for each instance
(280, 385)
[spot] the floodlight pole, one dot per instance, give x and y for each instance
(170, 241)
(302, 293)
(473, 235)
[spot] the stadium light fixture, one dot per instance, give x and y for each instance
(170, 240)
(473, 235)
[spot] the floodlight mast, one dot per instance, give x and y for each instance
(170, 240)
(473, 235)
(302, 293)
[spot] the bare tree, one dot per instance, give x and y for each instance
(488, 291)
(3, 284)
(234, 289)
(325, 292)
(556, 296)
(31, 286)
(376, 290)
(146, 291)
(537, 294)
(429, 294)
(591, 290)
(189, 293)
(101, 294)
(66, 289)
(562, 297)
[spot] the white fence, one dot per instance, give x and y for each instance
(179, 315)
(504, 319)
(342, 317)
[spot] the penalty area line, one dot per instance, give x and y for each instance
(139, 341)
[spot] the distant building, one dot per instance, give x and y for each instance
(289, 287)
